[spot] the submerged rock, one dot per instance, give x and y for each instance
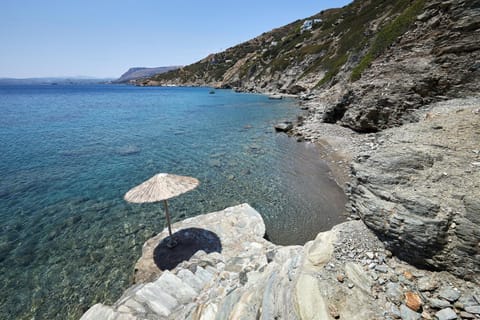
(128, 150)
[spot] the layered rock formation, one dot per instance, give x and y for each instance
(437, 59)
(420, 189)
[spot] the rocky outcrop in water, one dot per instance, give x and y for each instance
(420, 189)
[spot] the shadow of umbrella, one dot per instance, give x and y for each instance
(162, 187)
(189, 241)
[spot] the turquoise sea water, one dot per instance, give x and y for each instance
(68, 154)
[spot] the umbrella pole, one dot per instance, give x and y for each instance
(171, 243)
(168, 217)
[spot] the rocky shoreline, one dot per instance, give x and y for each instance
(348, 272)
(405, 149)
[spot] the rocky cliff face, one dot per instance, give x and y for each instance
(420, 189)
(436, 59)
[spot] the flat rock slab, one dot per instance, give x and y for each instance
(224, 232)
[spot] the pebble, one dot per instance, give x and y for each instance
(427, 284)
(449, 293)
(413, 301)
(446, 314)
(370, 255)
(408, 314)
(426, 315)
(393, 292)
(408, 275)
(473, 309)
(466, 315)
(340, 278)
(458, 305)
(438, 303)
(393, 278)
(382, 269)
(393, 309)
(333, 311)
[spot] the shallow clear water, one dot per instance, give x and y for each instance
(68, 154)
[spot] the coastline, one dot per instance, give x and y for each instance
(348, 260)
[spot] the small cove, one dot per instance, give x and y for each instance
(69, 153)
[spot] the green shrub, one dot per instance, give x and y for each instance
(387, 36)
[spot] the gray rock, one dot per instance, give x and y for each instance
(468, 300)
(427, 284)
(397, 192)
(408, 314)
(394, 292)
(446, 314)
(477, 297)
(449, 293)
(284, 126)
(438, 303)
(473, 309)
(381, 268)
(393, 310)
(466, 315)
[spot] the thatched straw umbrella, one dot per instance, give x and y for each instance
(161, 187)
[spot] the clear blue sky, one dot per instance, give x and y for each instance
(103, 38)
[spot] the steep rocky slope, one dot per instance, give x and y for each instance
(296, 57)
(436, 59)
(382, 59)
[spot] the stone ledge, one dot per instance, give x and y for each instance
(235, 227)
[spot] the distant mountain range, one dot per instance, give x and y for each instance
(53, 80)
(140, 73)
